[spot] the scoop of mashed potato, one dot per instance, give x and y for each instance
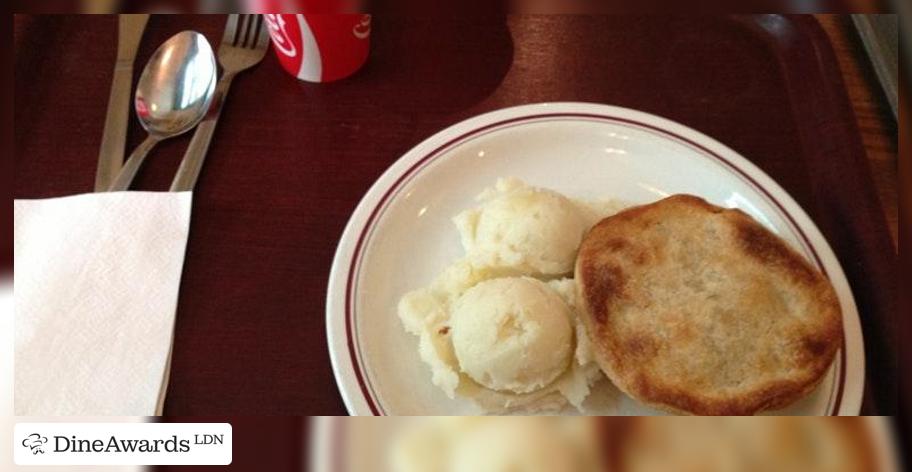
(512, 334)
(533, 230)
(427, 313)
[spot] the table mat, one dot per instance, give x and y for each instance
(290, 160)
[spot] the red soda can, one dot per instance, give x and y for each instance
(320, 47)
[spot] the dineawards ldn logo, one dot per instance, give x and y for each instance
(35, 443)
(122, 444)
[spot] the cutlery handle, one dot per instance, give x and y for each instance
(110, 156)
(126, 175)
(192, 163)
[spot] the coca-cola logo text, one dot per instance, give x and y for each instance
(280, 38)
(362, 28)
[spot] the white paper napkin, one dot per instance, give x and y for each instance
(96, 280)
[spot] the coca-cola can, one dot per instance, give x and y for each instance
(320, 47)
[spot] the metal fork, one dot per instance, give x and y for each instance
(243, 46)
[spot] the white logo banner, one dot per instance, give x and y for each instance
(122, 443)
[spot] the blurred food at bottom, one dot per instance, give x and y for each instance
(516, 444)
(683, 444)
(785, 444)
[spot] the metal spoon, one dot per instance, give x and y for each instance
(172, 96)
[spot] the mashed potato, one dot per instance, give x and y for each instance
(530, 229)
(512, 334)
(517, 345)
(427, 314)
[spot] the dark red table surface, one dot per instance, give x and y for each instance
(290, 160)
(258, 444)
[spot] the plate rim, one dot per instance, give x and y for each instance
(350, 379)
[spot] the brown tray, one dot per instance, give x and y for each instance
(290, 161)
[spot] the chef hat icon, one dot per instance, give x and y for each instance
(35, 442)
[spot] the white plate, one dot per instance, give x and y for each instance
(400, 236)
(340, 444)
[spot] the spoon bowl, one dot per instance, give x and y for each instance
(173, 94)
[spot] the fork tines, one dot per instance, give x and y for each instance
(245, 36)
